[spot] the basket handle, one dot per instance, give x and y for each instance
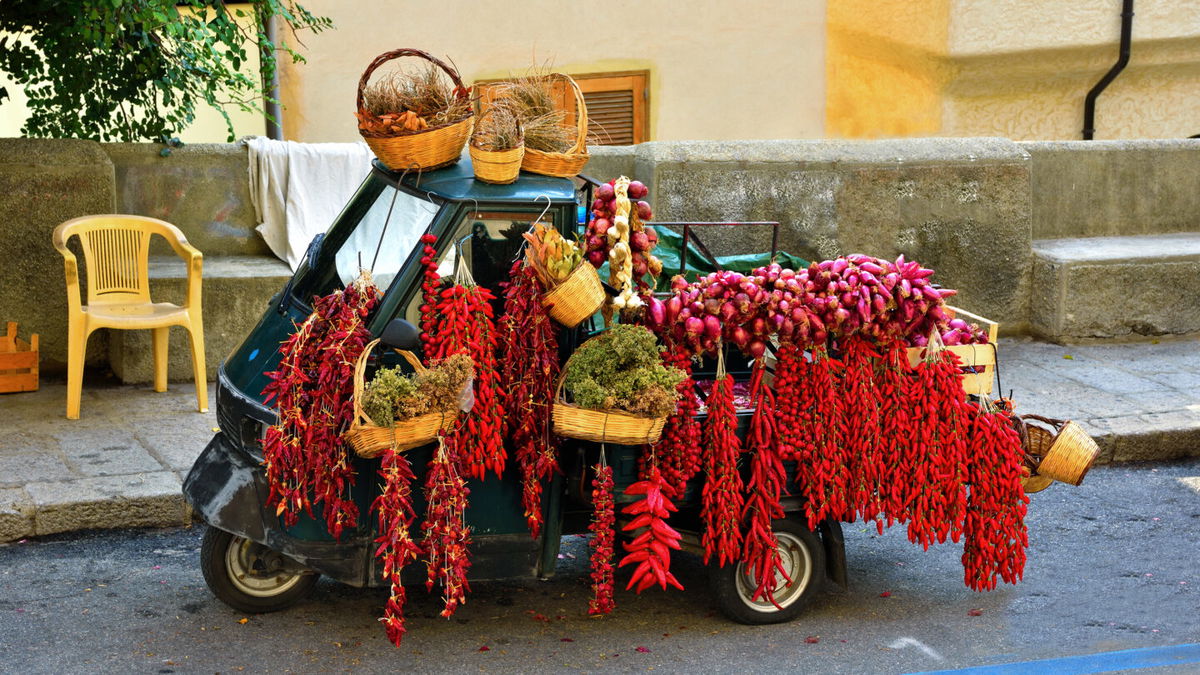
(460, 90)
(360, 370)
(1056, 423)
(581, 117)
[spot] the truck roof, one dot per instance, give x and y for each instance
(457, 183)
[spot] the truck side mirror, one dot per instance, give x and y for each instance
(401, 334)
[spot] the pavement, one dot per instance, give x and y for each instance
(122, 463)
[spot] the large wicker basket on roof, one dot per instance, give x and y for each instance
(570, 161)
(412, 143)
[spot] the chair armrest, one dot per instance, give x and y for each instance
(71, 271)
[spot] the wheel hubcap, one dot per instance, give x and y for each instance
(256, 570)
(797, 562)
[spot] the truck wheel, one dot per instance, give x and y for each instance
(250, 577)
(803, 558)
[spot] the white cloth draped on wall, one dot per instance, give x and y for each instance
(297, 189)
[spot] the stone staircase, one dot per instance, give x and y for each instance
(1116, 239)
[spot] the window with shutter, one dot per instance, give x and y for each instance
(617, 106)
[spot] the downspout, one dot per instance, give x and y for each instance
(274, 111)
(1089, 103)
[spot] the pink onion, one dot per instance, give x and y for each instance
(637, 190)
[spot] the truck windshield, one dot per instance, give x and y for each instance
(379, 240)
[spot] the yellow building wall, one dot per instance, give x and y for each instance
(718, 69)
(1013, 68)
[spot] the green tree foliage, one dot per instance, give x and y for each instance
(132, 70)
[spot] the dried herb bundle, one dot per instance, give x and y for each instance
(427, 93)
(393, 395)
(531, 97)
(622, 369)
(498, 128)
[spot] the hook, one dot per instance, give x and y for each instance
(544, 211)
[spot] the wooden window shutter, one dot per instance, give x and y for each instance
(617, 106)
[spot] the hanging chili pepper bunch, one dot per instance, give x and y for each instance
(446, 533)
(650, 550)
(397, 548)
(722, 499)
(306, 461)
(995, 536)
(939, 501)
(767, 478)
(678, 452)
(458, 319)
(897, 433)
(603, 532)
(861, 424)
(529, 351)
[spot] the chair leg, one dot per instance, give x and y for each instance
(196, 337)
(77, 337)
(160, 357)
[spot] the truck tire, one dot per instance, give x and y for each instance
(733, 586)
(250, 577)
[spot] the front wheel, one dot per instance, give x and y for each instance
(804, 559)
(250, 577)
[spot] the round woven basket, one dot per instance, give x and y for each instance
(1071, 451)
(563, 164)
(1037, 442)
(369, 439)
(431, 148)
(578, 297)
(601, 426)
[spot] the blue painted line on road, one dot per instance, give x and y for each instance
(1086, 664)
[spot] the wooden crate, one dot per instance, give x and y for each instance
(18, 362)
(980, 358)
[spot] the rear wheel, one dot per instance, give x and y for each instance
(250, 577)
(803, 558)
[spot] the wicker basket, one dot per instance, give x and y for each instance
(1070, 453)
(1036, 442)
(431, 148)
(563, 164)
(578, 297)
(602, 426)
(369, 440)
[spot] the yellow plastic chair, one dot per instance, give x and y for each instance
(116, 249)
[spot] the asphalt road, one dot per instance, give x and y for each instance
(1113, 565)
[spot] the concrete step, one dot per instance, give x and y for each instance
(235, 294)
(1116, 287)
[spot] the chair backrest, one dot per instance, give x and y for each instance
(116, 250)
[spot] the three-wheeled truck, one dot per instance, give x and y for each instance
(254, 563)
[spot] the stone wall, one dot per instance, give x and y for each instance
(1107, 188)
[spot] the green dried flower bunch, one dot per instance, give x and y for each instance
(395, 396)
(622, 369)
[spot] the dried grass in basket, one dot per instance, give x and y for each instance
(1071, 451)
(532, 96)
(430, 148)
(601, 426)
(369, 440)
(497, 146)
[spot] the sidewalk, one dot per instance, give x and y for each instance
(122, 463)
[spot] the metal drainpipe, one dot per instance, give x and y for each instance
(1089, 103)
(274, 112)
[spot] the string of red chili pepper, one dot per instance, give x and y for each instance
(397, 548)
(446, 533)
(722, 497)
(820, 455)
(896, 432)
(459, 319)
(529, 351)
(651, 548)
(603, 532)
(939, 498)
(306, 460)
(678, 453)
(861, 428)
(767, 478)
(995, 535)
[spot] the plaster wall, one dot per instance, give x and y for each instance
(718, 69)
